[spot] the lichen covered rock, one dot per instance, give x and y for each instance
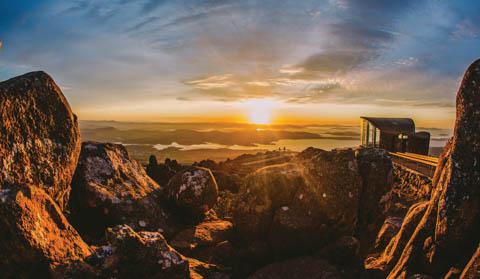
(40, 139)
(193, 191)
(136, 255)
(110, 188)
(35, 236)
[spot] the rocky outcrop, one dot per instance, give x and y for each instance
(40, 139)
(375, 169)
(448, 232)
(318, 197)
(193, 191)
(299, 268)
(35, 236)
(110, 188)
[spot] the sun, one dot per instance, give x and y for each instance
(260, 111)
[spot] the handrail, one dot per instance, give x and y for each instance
(425, 157)
(413, 158)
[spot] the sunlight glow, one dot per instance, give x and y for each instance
(260, 111)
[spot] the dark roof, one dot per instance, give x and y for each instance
(392, 125)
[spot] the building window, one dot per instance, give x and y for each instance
(370, 135)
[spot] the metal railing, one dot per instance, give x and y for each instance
(420, 163)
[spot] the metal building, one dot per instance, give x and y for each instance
(394, 135)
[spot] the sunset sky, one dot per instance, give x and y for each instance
(259, 61)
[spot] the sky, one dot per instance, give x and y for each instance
(265, 60)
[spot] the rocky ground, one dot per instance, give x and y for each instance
(71, 210)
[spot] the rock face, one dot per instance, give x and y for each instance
(36, 237)
(448, 231)
(300, 268)
(302, 205)
(193, 191)
(110, 188)
(375, 169)
(40, 139)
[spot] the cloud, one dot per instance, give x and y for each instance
(151, 5)
(465, 29)
(390, 53)
(410, 61)
(212, 82)
(331, 62)
(259, 83)
(290, 69)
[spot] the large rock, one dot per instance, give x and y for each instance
(313, 200)
(376, 170)
(35, 236)
(448, 232)
(265, 191)
(207, 241)
(145, 255)
(110, 188)
(40, 139)
(193, 191)
(130, 254)
(299, 268)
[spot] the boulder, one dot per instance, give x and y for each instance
(448, 232)
(333, 188)
(302, 205)
(298, 268)
(193, 191)
(142, 255)
(264, 191)
(205, 241)
(36, 236)
(110, 188)
(40, 139)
